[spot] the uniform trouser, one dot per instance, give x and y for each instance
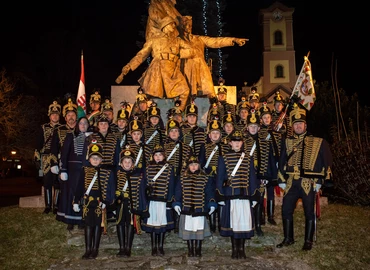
(293, 195)
(50, 180)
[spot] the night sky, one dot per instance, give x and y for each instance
(43, 42)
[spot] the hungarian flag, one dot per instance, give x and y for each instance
(304, 87)
(81, 95)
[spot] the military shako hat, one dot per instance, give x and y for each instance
(107, 105)
(297, 114)
(254, 96)
(127, 153)
(253, 118)
(171, 124)
(242, 105)
(123, 113)
(96, 97)
(54, 108)
(228, 118)
(264, 109)
(214, 125)
(192, 159)
(236, 135)
(158, 148)
(154, 111)
(69, 107)
(141, 96)
(136, 125)
(102, 118)
(95, 149)
(278, 98)
(214, 113)
(191, 109)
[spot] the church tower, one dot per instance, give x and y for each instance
(279, 69)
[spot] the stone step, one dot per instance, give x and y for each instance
(33, 201)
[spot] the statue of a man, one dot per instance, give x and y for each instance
(163, 77)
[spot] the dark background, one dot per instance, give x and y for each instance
(42, 42)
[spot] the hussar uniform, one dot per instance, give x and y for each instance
(130, 203)
(141, 151)
(305, 162)
(123, 136)
(208, 157)
(97, 193)
(154, 134)
(44, 155)
(161, 183)
(236, 185)
(241, 124)
(193, 136)
(93, 116)
(61, 194)
(194, 195)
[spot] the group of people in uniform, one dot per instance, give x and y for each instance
(159, 175)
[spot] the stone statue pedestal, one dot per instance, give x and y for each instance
(128, 93)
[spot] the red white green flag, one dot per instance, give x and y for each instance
(81, 94)
(304, 87)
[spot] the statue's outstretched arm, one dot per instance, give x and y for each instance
(240, 41)
(125, 70)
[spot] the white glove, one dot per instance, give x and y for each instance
(177, 209)
(254, 203)
(221, 203)
(76, 207)
(318, 186)
(282, 186)
(212, 210)
(54, 169)
(102, 205)
(64, 176)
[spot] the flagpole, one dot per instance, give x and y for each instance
(81, 94)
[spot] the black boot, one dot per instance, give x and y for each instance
(47, 197)
(176, 219)
(218, 214)
(212, 222)
(130, 239)
(234, 249)
(161, 244)
(153, 238)
(241, 251)
(121, 240)
(88, 242)
(190, 248)
(56, 201)
(198, 248)
(257, 218)
(96, 242)
(288, 234)
(308, 235)
(263, 213)
(270, 212)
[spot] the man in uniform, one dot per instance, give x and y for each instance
(305, 164)
(254, 99)
(95, 104)
(60, 133)
(193, 135)
(140, 108)
(208, 158)
(122, 132)
(107, 110)
(44, 156)
(280, 123)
